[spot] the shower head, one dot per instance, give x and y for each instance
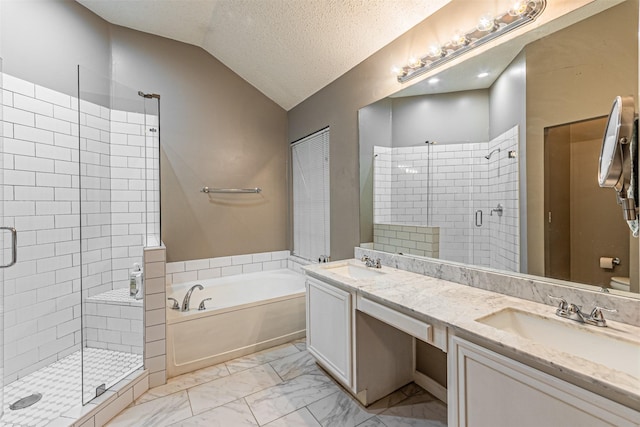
(148, 95)
(488, 156)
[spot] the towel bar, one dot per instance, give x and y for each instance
(230, 190)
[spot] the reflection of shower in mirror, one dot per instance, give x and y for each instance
(488, 156)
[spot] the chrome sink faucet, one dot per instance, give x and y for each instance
(187, 297)
(369, 262)
(574, 312)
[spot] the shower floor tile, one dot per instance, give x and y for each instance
(60, 385)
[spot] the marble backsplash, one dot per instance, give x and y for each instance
(526, 287)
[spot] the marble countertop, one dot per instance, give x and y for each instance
(458, 306)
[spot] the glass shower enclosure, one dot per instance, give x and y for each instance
(452, 201)
(80, 179)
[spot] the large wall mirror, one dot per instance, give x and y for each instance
(494, 162)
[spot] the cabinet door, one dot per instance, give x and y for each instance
(329, 328)
(489, 389)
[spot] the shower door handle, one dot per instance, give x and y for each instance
(479, 218)
(14, 246)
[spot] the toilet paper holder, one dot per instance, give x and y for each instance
(606, 262)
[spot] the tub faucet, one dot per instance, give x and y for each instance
(187, 297)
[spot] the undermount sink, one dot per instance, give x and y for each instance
(356, 272)
(584, 341)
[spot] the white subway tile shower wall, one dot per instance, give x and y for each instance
(412, 187)
(95, 196)
(134, 184)
(187, 271)
(504, 189)
(42, 296)
(41, 190)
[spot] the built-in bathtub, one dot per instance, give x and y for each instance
(247, 313)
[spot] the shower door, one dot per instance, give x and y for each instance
(40, 200)
(481, 215)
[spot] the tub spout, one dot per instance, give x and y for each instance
(187, 297)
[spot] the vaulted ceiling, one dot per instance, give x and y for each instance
(287, 49)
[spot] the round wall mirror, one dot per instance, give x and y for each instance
(619, 131)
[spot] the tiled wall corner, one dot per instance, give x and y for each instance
(155, 316)
(200, 269)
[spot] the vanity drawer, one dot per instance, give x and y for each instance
(435, 335)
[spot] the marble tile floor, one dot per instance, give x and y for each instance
(278, 387)
(60, 385)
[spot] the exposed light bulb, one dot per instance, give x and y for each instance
(519, 7)
(435, 51)
(459, 39)
(396, 70)
(487, 23)
(415, 62)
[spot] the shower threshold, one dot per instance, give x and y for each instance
(60, 385)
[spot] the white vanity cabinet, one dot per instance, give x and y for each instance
(329, 328)
(366, 346)
(489, 389)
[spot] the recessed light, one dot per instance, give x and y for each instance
(481, 75)
(434, 80)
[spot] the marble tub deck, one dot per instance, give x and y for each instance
(282, 386)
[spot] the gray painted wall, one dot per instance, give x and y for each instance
(507, 98)
(444, 118)
(43, 41)
(216, 130)
(507, 108)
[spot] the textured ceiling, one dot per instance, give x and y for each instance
(288, 49)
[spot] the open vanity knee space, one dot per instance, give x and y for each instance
(377, 329)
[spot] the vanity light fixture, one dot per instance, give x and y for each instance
(520, 13)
